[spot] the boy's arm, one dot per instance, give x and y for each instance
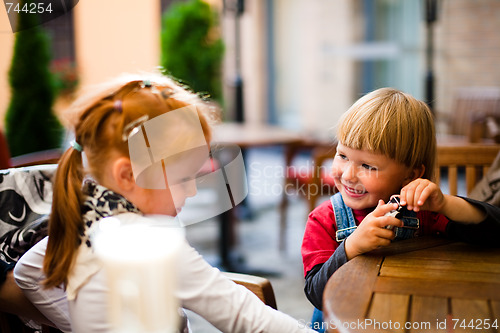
(318, 276)
(422, 194)
(321, 253)
(470, 220)
(459, 210)
(486, 232)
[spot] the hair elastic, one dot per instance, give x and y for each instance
(118, 105)
(167, 93)
(76, 146)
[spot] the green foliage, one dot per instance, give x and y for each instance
(192, 50)
(30, 124)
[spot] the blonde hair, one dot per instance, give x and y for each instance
(390, 122)
(99, 119)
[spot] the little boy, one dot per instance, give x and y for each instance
(386, 146)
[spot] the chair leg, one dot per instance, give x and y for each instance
(312, 203)
(283, 222)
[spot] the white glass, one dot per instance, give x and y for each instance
(140, 262)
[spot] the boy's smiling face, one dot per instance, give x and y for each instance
(364, 177)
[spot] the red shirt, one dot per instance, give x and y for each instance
(319, 242)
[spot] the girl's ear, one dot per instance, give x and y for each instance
(414, 174)
(123, 174)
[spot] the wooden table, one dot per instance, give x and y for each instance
(254, 135)
(425, 284)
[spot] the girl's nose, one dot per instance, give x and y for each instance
(190, 188)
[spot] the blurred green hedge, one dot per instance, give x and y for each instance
(191, 47)
(30, 124)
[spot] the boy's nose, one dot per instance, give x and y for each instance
(349, 172)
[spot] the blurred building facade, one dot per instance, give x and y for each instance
(102, 38)
(328, 53)
(467, 50)
(325, 54)
(302, 62)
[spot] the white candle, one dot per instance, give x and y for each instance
(140, 261)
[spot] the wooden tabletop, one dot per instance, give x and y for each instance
(426, 284)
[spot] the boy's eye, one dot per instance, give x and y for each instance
(369, 167)
(342, 156)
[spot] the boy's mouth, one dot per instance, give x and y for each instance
(353, 191)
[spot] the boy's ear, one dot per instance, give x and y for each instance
(123, 174)
(414, 174)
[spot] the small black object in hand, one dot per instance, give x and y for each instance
(398, 212)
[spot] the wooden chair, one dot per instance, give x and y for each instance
(50, 156)
(4, 153)
(309, 182)
(8, 322)
(471, 107)
(321, 176)
(475, 159)
(258, 285)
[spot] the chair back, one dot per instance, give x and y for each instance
(50, 156)
(474, 159)
(473, 104)
(27, 190)
(258, 285)
(310, 182)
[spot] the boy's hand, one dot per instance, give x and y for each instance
(422, 194)
(372, 233)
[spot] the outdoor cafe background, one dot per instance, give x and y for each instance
(302, 63)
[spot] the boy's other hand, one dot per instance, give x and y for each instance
(372, 233)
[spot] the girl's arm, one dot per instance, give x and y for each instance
(226, 305)
(50, 302)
